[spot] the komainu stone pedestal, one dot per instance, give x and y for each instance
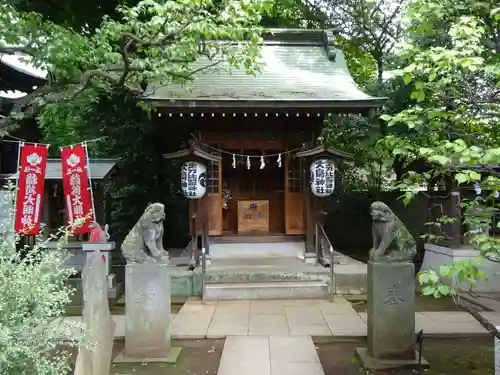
(147, 314)
(497, 354)
(97, 319)
(391, 317)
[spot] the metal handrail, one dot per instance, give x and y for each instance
(203, 271)
(204, 250)
(194, 261)
(320, 236)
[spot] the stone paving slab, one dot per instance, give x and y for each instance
(245, 355)
(268, 324)
(269, 355)
(192, 321)
(444, 323)
(317, 318)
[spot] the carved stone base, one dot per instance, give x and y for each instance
(391, 310)
(369, 362)
(147, 310)
(170, 357)
(497, 354)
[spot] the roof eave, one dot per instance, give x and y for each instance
(322, 150)
(193, 150)
(199, 104)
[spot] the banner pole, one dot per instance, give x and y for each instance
(90, 180)
(19, 149)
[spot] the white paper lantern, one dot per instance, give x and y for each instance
(193, 180)
(322, 177)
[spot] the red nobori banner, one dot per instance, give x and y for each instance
(76, 186)
(30, 184)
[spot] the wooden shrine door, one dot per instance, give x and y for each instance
(211, 204)
(295, 215)
(213, 199)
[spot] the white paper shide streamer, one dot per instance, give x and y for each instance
(262, 163)
(234, 161)
(279, 161)
(249, 165)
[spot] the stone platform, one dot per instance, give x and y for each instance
(436, 256)
(350, 277)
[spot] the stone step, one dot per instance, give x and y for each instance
(264, 276)
(262, 290)
(252, 239)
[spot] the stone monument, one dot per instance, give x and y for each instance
(147, 292)
(95, 360)
(99, 241)
(497, 354)
(391, 294)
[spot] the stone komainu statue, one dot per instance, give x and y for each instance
(392, 242)
(144, 243)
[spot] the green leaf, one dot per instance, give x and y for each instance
(386, 118)
(424, 277)
(481, 275)
(445, 270)
(407, 77)
(428, 290)
(461, 178)
(474, 176)
(441, 159)
(444, 289)
(433, 276)
(424, 151)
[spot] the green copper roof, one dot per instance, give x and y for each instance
(301, 68)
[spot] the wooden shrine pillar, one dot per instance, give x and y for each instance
(314, 204)
(199, 206)
(310, 222)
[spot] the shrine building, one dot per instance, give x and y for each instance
(254, 137)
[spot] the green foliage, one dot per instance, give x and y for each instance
(361, 64)
(452, 121)
(462, 274)
(367, 32)
(150, 42)
(372, 26)
(294, 14)
(33, 297)
(76, 15)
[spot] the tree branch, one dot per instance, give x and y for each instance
(125, 45)
(12, 50)
(485, 323)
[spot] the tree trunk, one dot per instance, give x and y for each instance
(380, 71)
